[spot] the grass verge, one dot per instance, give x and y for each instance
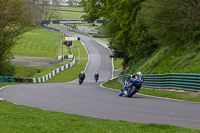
(68, 15)
(78, 49)
(187, 96)
(38, 43)
(22, 119)
(71, 8)
(69, 74)
(117, 63)
(103, 39)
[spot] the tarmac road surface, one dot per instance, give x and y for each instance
(90, 99)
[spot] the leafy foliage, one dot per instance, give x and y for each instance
(128, 35)
(138, 29)
(171, 22)
(14, 21)
(93, 8)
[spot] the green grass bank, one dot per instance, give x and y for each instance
(169, 59)
(22, 119)
(70, 13)
(40, 42)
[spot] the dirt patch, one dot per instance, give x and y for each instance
(35, 61)
(38, 61)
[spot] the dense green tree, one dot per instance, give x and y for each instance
(172, 22)
(124, 30)
(94, 9)
(14, 21)
(137, 28)
(122, 24)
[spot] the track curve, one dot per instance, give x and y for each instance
(90, 99)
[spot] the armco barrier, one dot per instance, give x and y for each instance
(7, 79)
(53, 73)
(122, 78)
(180, 81)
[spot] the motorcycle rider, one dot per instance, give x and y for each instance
(138, 76)
(96, 76)
(82, 76)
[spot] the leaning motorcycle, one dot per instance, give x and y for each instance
(130, 87)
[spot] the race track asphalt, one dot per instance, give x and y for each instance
(90, 99)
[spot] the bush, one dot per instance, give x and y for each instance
(24, 71)
(6, 69)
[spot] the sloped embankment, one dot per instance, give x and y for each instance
(170, 59)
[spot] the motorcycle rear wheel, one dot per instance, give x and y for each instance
(80, 82)
(132, 91)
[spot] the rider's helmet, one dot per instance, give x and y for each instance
(82, 71)
(139, 73)
(140, 77)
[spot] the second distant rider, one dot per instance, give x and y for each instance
(96, 76)
(81, 77)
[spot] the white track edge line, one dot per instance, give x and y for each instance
(110, 53)
(87, 53)
(151, 96)
(2, 89)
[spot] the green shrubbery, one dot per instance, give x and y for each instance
(14, 21)
(153, 36)
(6, 68)
(24, 71)
(32, 71)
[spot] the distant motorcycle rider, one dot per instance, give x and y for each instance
(81, 77)
(96, 76)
